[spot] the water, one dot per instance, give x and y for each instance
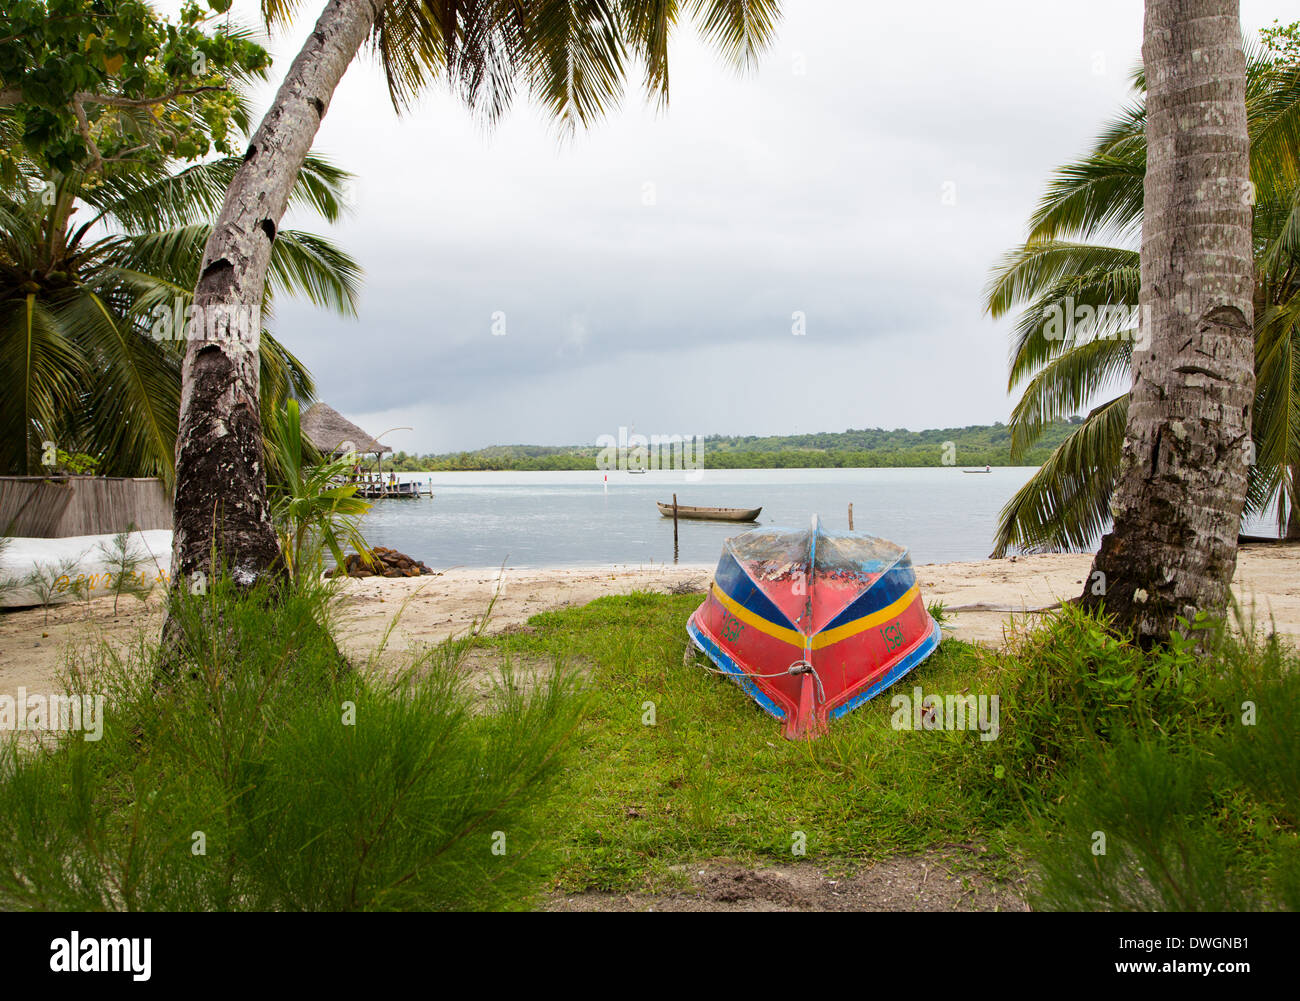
(569, 519)
(481, 519)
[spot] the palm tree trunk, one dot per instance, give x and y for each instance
(1182, 484)
(1292, 514)
(221, 503)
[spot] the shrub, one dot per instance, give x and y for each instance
(272, 780)
(1076, 681)
(127, 567)
(314, 508)
(51, 582)
(1184, 792)
(1137, 831)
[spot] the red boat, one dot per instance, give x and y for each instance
(811, 623)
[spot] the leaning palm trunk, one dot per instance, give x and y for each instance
(1187, 448)
(570, 55)
(221, 505)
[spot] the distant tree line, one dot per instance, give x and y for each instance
(977, 445)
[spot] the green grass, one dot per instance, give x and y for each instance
(714, 778)
(1199, 810)
(319, 787)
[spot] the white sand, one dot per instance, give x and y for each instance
(32, 652)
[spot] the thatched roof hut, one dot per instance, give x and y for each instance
(333, 434)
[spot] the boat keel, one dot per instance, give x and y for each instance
(806, 723)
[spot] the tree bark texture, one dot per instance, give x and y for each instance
(1177, 505)
(221, 505)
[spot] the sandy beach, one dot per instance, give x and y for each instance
(34, 647)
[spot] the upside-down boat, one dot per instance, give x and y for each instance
(813, 623)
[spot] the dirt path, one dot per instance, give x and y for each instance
(940, 880)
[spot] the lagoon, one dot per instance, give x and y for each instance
(536, 519)
(554, 519)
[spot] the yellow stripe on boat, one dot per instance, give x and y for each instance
(791, 636)
(840, 633)
(890, 611)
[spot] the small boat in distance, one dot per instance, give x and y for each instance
(710, 513)
(373, 489)
(986, 469)
(636, 472)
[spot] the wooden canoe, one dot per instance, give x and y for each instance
(710, 513)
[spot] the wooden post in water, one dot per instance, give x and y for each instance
(674, 528)
(850, 516)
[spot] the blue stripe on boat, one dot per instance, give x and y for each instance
(923, 650)
(884, 591)
(735, 672)
(740, 587)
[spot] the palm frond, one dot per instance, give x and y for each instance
(571, 55)
(283, 376)
(1276, 419)
(301, 264)
(131, 409)
(475, 46)
(1065, 385)
(311, 266)
(1066, 503)
(1101, 193)
(42, 373)
(1028, 270)
(139, 203)
(648, 26)
(739, 29)
(575, 59)
(1099, 302)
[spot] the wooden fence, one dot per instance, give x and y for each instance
(54, 507)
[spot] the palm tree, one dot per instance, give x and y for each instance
(572, 56)
(1177, 505)
(1079, 261)
(79, 299)
(1182, 478)
(313, 507)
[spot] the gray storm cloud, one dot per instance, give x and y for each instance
(867, 175)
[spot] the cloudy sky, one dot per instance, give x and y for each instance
(650, 272)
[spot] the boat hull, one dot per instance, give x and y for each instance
(710, 513)
(849, 632)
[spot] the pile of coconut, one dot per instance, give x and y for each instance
(381, 562)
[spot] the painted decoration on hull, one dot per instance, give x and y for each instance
(813, 623)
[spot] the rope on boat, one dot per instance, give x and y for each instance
(798, 667)
(805, 667)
